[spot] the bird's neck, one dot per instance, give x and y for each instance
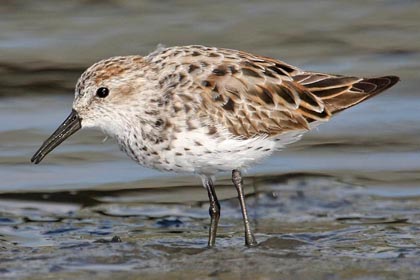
(140, 128)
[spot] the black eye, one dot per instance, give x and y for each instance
(102, 92)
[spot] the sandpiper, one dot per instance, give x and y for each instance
(206, 110)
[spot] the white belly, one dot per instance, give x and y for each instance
(197, 152)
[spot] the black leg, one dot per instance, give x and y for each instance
(237, 181)
(214, 210)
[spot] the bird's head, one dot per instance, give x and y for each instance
(106, 95)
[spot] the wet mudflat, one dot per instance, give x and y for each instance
(344, 203)
(308, 225)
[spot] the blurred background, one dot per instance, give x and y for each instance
(348, 189)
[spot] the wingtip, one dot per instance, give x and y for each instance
(380, 84)
(392, 79)
(361, 90)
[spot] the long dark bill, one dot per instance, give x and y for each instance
(64, 131)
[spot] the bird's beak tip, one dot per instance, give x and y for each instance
(65, 130)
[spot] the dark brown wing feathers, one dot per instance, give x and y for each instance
(253, 95)
(339, 93)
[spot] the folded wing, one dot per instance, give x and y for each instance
(262, 96)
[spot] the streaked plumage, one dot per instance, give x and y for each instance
(204, 110)
(254, 95)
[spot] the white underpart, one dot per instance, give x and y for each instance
(215, 154)
(195, 151)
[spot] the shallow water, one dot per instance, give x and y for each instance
(344, 203)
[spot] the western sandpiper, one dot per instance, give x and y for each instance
(207, 110)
